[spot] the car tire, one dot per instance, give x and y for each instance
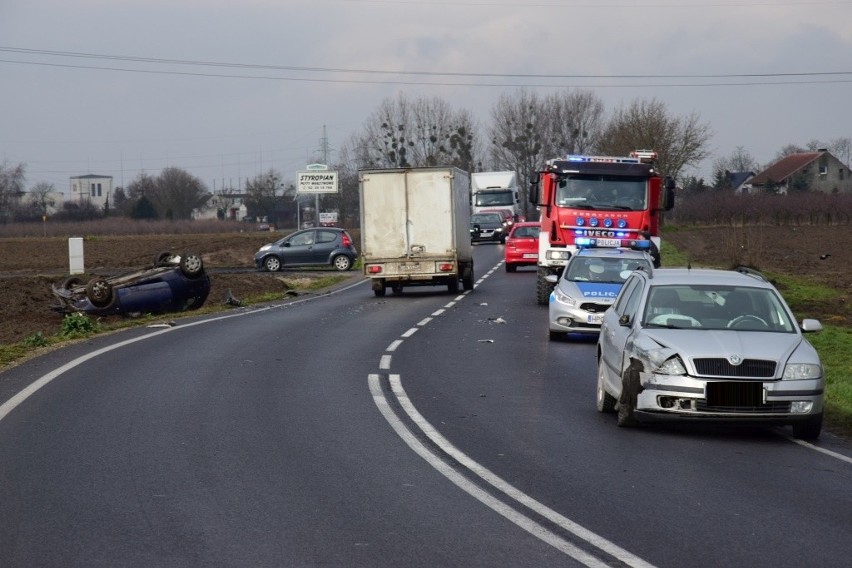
(71, 282)
(808, 429)
(99, 292)
(555, 335)
(341, 262)
(630, 388)
(272, 263)
(191, 265)
(605, 401)
(161, 258)
(511, 267)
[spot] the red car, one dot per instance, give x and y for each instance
(522, 246)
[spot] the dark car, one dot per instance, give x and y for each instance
(487, 227)
(308, 247)
(175, 283)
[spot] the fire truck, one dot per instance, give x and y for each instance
(613, 200)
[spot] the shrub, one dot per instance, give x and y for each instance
(77, 325)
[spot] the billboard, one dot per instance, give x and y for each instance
(317, 181)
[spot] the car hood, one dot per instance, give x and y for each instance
(712, 343)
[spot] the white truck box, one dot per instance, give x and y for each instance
(495, 191)
(415, 228)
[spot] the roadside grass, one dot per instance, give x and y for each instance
(833, 343)
(80, 326)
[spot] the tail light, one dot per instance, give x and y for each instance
(446, 267)
(374, 269)
(346, 241)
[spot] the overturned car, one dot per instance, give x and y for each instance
(175, 283)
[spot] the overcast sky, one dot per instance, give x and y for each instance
(259, 79)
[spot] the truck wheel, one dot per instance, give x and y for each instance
(467, 277)
(543, 288)
(453, 285)
(379, 287)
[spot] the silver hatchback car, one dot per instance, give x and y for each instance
(708, 345)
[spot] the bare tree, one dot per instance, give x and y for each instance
(574, 122)
(788, 150)
(422, 132)
(679, 141)
(12, 180)
(740, 160)
(178, 194)
(264, 194)
(841, 148)
(41, 197)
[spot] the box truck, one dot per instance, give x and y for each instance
(415, 228)
(496, 191)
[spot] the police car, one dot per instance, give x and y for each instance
(589, 284)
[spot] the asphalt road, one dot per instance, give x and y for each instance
(425, 429)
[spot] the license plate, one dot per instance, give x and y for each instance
(595, 318)
(734, 393)
(532, 255)
(409, 267)
(608, 242)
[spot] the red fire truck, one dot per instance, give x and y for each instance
(613, 200)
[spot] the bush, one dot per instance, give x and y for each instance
(77, 325)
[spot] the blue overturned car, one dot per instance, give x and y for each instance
(175, 283)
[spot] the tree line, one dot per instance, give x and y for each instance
(524, 130)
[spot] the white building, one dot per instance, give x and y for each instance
(93, 188)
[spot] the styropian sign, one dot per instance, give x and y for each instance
(317, 181)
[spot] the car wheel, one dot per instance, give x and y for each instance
(99, 292)
(808, 429)
(191, 265)
(161, 258)
(555, 335)
(605, 401)
(630, 388)
(272, 263)
(511, 267)
(71, 282)
(341, 262)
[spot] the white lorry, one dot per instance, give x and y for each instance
(496, 191)
(415, 228)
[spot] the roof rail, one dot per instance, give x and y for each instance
(749, 271)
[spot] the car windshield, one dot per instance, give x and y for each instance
(603, 192)
(488, 198)
(486, 218)
(716, 307)
(596, 269)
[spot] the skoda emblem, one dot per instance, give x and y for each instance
(735, 360)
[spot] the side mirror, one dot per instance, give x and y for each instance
(624, 321)
(811, 325)
(534, 189)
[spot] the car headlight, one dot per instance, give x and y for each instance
(564, 298)
(802, 371)
(664, 363)
(558, 255)
(498, 230)
(265, 248)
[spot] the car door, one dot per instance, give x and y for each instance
(326, 242)
(614, 335)
(298, 249)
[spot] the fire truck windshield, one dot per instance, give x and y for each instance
(602, 192)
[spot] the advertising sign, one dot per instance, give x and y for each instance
(317, 181)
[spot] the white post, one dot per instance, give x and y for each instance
(75, 255)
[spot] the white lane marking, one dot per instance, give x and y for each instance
(506, 511)
(385, 362)
(39, 383)
(505, 487)
(436, 313)
(394, 345)
(449, 305)
(830, 453)
(410, 332)
(423, 322)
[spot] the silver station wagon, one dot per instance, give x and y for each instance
(708, 345)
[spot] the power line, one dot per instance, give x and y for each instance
(695, 80)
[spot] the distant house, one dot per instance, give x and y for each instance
(95, 189)
(806, 171)
(739, 182)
